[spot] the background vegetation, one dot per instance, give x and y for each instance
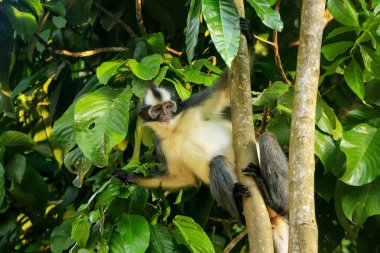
(73, 72)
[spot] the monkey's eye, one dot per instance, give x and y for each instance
(156, 109)
(168, 106)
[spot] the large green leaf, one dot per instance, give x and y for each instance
(77, 163)
(325, 149)
(331, 51)
(161, 240)
(131, 235)
(80, 230)
(190, 234)
(353, 75)
(23, 22)
(344, 12)
(268, 16)
(148, 68)
(361, 202)
(156, 42)
(36, 6)
(101, 122)
(362, 148)
(193, 21)
(223, 23)
(7, 54)
(269, 96)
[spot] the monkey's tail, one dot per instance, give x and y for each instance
(280, 227)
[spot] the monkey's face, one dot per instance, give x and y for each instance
(163, 112)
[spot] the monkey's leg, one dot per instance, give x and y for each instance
(158, 179)
(223, 186)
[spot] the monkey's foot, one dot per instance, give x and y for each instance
(246, 29)
(252, 170)
(241, 190)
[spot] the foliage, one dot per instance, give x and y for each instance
(68, 119)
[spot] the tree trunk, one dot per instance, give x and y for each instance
(256, 216)
(303, 227)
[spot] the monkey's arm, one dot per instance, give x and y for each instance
(272, 175)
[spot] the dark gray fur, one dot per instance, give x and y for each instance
(222, 185)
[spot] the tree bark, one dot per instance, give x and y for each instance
(303, 227)
(256, 216)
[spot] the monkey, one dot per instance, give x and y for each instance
(194, 144)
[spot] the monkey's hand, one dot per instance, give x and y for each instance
(252, 170)
(241, 190)
(126, 176)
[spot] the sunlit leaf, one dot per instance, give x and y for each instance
(344, 12)
(80, 230)
(222, 21)
(331, 51)
(148, 68)
(190, 234)
(105, 71)
(371, 61)
(101, 122)
(15, 169)
(268, 16)
(36, 6)
(362, 147)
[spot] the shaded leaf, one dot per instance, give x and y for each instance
(361, 202)
(269, 96)
(60, 237)
(23, 22)
(193, 21)
(362, 147)
(353, 75)
(161, 240)
(80, 230)
(57, 7)
(16, 138)
(371, 61)
(156, 42)
(222, 21)
(2, 184)
(15, 169)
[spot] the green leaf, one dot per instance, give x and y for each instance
(60, 237)
(16, 138)
(161, 75)
(331, 51)
(36, 6)
(338, 31)
(344, 12)
(110, 193)
(268, 16)
(190, 234)
(101, 122)
(148, 68)
(371, 61)
(182, 91)
(362, 148)
(7, 54)
(269, 96)
(353, 75)
(2, 184)
(223, 23)
(105, 71)
(63, 134)
(131, 235)
(194, 75)
(81, 230)
(77, 163)
(59, 22)
(57, 7)
(156, 42)
(161, 240)
(280, 126)
(325, 149)
(361, 202)
(193, 21)
(15, 169)
(23, 22)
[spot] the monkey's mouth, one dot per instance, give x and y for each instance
(166, 119)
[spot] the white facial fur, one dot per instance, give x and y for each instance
(150, 99)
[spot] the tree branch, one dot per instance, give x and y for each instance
(139, 18)
(126, 27)
(303, 226)
(234, 241)
(86, 53)
(256, 216)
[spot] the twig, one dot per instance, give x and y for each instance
(80, 54)
(171, 50)
(129, 30)
(228, 221)
(264, 40)
(264, 119)
(234, 241)
(276, 51)
(139, 18)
